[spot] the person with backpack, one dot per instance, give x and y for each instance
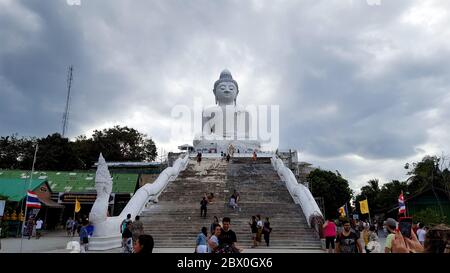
(124, 223)
(127, 239)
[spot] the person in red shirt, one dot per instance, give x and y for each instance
(329, 231)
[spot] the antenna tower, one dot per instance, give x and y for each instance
(67, 109)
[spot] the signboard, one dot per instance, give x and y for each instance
(2, 207)
(83, 198)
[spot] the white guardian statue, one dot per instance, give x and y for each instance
(103, 186)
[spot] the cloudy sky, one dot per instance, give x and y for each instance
(362, 88)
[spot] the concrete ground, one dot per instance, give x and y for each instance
(56, 242)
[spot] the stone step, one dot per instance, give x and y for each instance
(175, 221)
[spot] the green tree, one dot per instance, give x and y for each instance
(371, 192)
(427, 173)
(430, 217)
(389, 194)
(116, 144)
(14, 151)
(332, 187)
(55, 153)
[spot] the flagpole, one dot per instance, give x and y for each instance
(26, 196)
(74, 208)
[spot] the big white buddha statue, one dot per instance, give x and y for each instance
(226, 124)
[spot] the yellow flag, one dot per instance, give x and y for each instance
(77, 205)
(364, 206)
(342, 211)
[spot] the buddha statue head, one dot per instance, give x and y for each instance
(226, 89)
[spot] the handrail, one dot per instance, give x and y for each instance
(149, 192)
(300, 194)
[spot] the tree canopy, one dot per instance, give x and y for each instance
(430, 172)
(56, 153)
(332, 187)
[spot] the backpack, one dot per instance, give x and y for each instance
(123, 225)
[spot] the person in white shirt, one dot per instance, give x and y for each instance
(259, 225)
(39, 224)
(421, 232)
(213, 242)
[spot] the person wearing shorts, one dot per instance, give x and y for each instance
(329, 231)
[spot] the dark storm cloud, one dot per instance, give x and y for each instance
(357, 84)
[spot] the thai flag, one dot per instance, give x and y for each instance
(33, 200)
(401, 204)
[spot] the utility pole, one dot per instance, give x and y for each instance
(67, 108)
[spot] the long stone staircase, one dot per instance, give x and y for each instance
(175, 220)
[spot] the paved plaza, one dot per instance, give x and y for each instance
(56, 242)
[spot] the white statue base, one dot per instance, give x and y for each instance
(106, 242)
(218, 146)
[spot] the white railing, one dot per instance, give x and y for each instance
(107, 233)
(301, 194)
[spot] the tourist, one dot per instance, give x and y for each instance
(391, 226)
(90, 228)
(137, 228)
(214, 224)
(329, 231)
(125, 222)
(30, 226)
(74, 226)
(437, 240)
(236, 195)
(254, 230)
(144, 244)
(199, 158)
(228, 157)
(201, 243)
(203, 207)
(415, 227)
(346, 241)
(210, 197)
(84, 237)
(232, 204)
(360, 232)
(373, 246)
(69, 226)
(365, 234)
(254, 156)
(266, 231)
(376, 226)
(421, 232)
(402, 244)
(231, 150)
(39, 225)
(259, 225)
(213, 242)
(127, 239)
(79, 225)
(227, 238)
